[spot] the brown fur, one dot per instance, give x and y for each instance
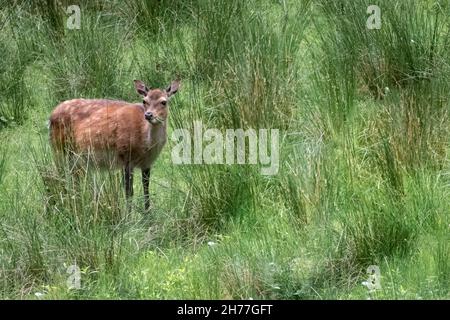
(105, 127)
(115, 133)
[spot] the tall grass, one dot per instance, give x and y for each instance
(363, 177)
(18, 53)
(92, 60)
(154, 17)
(71, 220)
(3, 159)
(404, 62)
(249, 70)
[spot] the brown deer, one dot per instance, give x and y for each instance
(116, 133)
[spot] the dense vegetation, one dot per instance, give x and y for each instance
(364, 174)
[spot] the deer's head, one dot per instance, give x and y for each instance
(156, 101)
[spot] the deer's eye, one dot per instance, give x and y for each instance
(164, 102)
(143, 101)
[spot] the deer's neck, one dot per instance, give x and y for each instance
(158, 133)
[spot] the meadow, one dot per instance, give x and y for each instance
(364, 175)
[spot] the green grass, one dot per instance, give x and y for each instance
(364, 173)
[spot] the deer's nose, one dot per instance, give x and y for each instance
(148, 115)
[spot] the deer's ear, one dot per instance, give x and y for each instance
(141, 88)
(173, 88)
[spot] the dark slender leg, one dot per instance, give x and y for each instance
(128, 179)
(145, 184)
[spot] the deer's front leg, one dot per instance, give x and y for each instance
(145, 184)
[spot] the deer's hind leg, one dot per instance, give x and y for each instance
(128, 181)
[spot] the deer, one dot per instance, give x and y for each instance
(116, 134)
